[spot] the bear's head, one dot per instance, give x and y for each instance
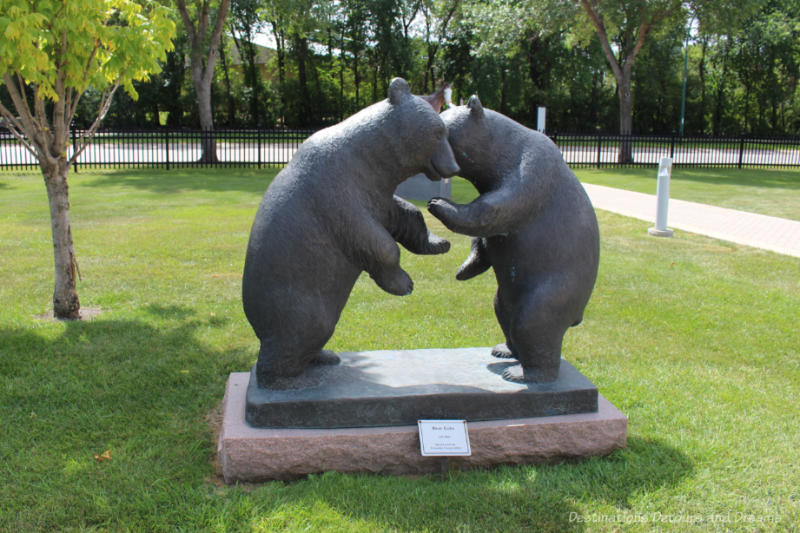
(419, 134)
(472, 138)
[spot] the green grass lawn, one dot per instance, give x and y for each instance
(694, 339)
(764, 191)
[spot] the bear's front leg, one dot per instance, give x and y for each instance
(407, 226)
(488, 215)
(376, 252)
(451, 214)
(393, 280)
(477, 262)
(470, 219)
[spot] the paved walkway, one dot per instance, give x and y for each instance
(770, 233)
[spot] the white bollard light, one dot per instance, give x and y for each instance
(662, 199)
(541, 113)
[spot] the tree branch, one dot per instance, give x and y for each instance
(202, 19)
(46, 135)
(213, 45)
(105, 104)
(190, 29)
(600, 27)
(16, 129)
(18, 97)
(60, 128)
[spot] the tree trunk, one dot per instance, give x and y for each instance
(301, 55)
(227, 79)
(65, 298)
(625, 154)
(205, 49)
(342, 61)
(356, 78)
(280, 49)
(503, 92)
(701, 67)
(375, 84)
(255, 81)
(208, 141)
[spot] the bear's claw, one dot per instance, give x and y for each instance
(501, 351)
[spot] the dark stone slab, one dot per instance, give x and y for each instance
(399, 387)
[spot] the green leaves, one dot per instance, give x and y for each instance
(60, 45)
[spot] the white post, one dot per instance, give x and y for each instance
(662, 199)
(540, 118)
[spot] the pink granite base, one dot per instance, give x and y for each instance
(258, 454)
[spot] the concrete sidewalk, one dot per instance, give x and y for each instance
(769, 233)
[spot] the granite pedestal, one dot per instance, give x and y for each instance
(565, 419)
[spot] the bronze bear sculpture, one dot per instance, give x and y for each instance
(331, 214)
(533, 224)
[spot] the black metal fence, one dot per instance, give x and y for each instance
(169, 149)
(707, 152)
(182, 148)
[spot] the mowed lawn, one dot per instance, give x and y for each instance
(109, 424)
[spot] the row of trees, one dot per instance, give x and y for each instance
(585, 60)
(62, 61)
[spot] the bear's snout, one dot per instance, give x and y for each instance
(443, 163)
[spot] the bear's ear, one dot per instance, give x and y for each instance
(398, 89)
(475, 106)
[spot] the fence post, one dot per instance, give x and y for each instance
(672, 146)
(258, 139)
(166, 146)
(598, 149)
(741, 150)
(74, 150)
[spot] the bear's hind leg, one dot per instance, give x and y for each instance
(288, 351)
(326, 357)
(276, 361)
(537, 332)
(503, 313)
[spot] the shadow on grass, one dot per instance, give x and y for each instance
(189, 179)
(170, 311)
(784, 179)
(522, 498)
(143, 389)
(116, 383)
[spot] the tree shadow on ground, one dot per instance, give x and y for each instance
(140, 389)
(189, 179)
(170, 311)
(764, 178)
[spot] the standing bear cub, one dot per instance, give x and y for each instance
(533, 223)
(330, 214)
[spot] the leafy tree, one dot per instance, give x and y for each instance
(50, 54)
(765, 58)
(438, 14)
(204, 26)
(623, 27)
(658, 75)
(246, 22)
